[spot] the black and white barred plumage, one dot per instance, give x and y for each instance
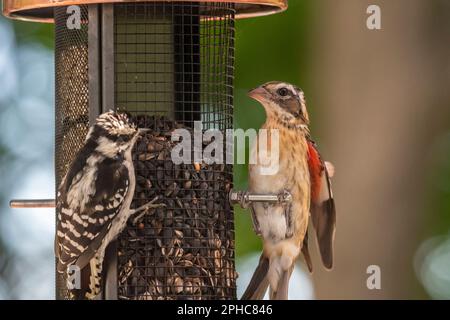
(93, 203)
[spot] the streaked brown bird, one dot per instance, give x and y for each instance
(300, 172)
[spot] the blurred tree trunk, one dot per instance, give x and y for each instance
(383, 97)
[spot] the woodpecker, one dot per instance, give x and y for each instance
(301, 173)
(93, 200)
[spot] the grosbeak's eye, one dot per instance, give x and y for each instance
(283, 92)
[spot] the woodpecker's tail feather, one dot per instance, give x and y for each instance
(259, 283)
(95, 289)
(89, 283)
(80, 292)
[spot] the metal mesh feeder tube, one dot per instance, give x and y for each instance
(168, 64)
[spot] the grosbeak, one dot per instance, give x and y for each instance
(301, 172)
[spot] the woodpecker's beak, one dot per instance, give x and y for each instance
(143, 131)
(259, 94)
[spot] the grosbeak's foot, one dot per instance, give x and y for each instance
(285, 196)
(285, 199)
(289, 224)
(256, 227)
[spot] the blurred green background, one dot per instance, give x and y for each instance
(380, 109)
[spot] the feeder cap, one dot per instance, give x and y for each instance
(42, 10)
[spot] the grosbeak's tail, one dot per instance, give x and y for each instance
(306, 255)
(259, 283)
(283, 286)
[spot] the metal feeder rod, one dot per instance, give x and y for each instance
(32, 203)
(245, 198)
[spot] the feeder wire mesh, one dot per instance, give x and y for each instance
(71, 99)
(174, 65)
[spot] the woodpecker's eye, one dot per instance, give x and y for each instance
(123, 138)
(283, 92)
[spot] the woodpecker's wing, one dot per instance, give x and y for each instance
(323, 211)
(87, 204)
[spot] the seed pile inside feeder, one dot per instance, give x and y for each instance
(184, 250)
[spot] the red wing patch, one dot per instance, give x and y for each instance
(315, 171)
(323, 210)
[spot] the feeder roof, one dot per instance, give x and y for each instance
(42, 10)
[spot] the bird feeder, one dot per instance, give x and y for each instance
(167, 63)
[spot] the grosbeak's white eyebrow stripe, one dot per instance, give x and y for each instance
(296, 92)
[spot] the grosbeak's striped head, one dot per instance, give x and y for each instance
(283, 101)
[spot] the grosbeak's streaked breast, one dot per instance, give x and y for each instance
(301, 172)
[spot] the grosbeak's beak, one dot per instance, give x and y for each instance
(259, 94)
